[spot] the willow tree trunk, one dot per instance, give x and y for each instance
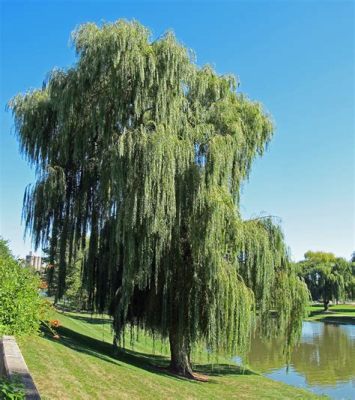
(326, 305)
(180, 351)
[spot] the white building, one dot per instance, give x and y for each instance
(35, 262)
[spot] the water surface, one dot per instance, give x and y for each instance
(323, 361)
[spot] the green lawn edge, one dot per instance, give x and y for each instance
(340, 313)
(81, 365)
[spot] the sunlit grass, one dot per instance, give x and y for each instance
(339, 312)
(81, 365)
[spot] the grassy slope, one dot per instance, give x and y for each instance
(338, 313)
(81, 366)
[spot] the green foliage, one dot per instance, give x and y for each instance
(11, 390)
(143, 151)
(328, 277)
(20, 305)
(349, 278)
(75, 292)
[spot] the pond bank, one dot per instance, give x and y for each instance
(341, 313)
(81, 365)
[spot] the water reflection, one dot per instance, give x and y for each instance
(324, 358)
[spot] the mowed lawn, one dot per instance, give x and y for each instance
(81, 365)
(336, 313)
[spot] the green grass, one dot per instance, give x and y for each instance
(337, 313)
(81, 365)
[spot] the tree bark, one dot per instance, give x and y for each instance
(326, 305)
(180, 350)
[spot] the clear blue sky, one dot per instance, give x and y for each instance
(297, 58)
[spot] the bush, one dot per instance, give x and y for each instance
(20, 304)
(11, 390)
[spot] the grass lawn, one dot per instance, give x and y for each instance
(81, 365)
(336, 313)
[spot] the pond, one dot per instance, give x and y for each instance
(323, 362)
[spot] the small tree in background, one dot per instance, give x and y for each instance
(350, 278)
(328, 277)
(144, 152)
(75, 291)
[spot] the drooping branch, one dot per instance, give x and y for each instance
(140, 155)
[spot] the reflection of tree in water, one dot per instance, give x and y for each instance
(323, 359)
(266, 355)
(328, 358)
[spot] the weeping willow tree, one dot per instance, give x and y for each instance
(328, 277)
(140, 155)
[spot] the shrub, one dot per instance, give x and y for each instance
(11, 390)
(21, 307)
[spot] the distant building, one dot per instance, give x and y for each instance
(35, 262)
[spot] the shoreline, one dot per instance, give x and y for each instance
(85, 345)
(340, 313)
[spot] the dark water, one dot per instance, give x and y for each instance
(323, 362)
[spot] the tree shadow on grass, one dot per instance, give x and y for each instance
(222, 369)
(318, 309)
(85, 316)
(343, 310)
(91, 319)
(334, 315)
(156, 364)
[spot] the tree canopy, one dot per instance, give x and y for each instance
(142, 151)
(328, 277)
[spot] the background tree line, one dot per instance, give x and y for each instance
(328, 278)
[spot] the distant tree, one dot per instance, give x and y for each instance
(50, 273)
(350, 278)
(75, 286)
(144, 152)
(75, 290)
(326, 276)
